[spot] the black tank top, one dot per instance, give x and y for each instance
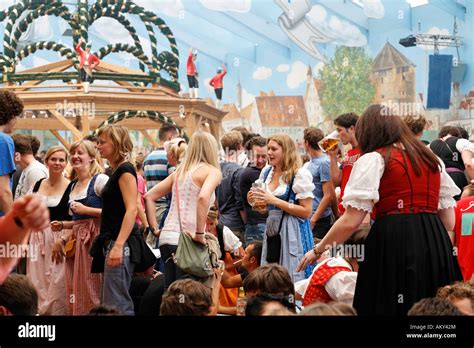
(61, 211)
(447, 151)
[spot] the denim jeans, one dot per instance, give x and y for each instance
(322, 226)
(254, 232)
(172, 272)
(116, 283)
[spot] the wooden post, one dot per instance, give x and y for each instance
(76, 133)
(150, 138)
(60, 138)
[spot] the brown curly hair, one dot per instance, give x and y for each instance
(10, 107)
(457, 291)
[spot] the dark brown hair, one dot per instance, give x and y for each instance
(22, 144)
(416, 124)
(35, 143)
(246, 135)
(313, 135)
(379, 128)
(10, 107)
(18, 295)
(271, 279)
(454, 131)
(186, 297)
(165, 129)
(256, 140)
(434, 306)
(346, 120)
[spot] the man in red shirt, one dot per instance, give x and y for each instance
(345, 126)
(87, 64)
(218, 85)
(192, 74)
(464, 240)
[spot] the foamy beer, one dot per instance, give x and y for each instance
(330, 141)
(258, 205)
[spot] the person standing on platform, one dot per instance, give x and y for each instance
(192, 74)
(218, 85)
(89, 61)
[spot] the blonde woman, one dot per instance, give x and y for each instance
(289, 197)
(46, 271)
(119, 235)
(175, 151)
(195, 180)
(85, 202)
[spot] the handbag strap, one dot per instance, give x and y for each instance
(287, 199)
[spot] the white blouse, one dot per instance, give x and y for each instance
(340, 287)
(362, 190)
(98, 187)
(302, 185)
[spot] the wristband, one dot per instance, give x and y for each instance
(199, 232)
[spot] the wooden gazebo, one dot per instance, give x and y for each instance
(139, 99)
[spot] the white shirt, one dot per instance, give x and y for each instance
(231, 241)
(340, 287)
(302, 185)
(362, 190)
(29, 176)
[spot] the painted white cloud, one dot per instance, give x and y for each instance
(247, 98)
(242, 6)
(283, 68)
(344, 32)
(171, 8)
(435, 31)
(373, 9)
(262, 73)
(111, 31)
(297, 74)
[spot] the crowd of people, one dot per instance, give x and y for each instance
(380, 225)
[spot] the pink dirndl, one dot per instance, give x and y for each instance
(83, 287)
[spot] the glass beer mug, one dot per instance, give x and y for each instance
(330, 141)
(258, 205)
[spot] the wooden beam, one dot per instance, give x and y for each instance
(76, 133)
(59, 68)
(150, 138)
(103, 66)
(60, 138)
(85, 123)
(48, 67)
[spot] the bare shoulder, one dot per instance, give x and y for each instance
(206, 171)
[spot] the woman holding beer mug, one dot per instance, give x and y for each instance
(288, 195)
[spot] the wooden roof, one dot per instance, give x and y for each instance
(282, 111)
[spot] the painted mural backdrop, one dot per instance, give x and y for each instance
(294, 63)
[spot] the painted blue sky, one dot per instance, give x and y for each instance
(249, 36)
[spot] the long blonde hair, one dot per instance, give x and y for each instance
(202, 148)
(95, 167)
(291, 161)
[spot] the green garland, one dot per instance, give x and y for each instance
(146, 16)
(48, 45)
(152, 115)
(127, 25)
(138, 53)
